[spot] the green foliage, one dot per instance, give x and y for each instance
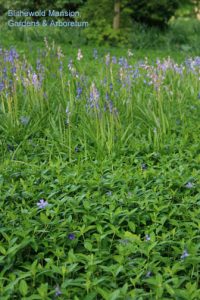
(41, 4)
(153, 13)
(138, 20)
(122, 219)
(100, 18)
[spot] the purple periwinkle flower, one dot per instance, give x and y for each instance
(42, 204)
(189, 185)
(143, 166)
(109, 193)
(71, 236)
(148, 274)
(185, 254)
(57, 291)
(77, 149)
(147, 237)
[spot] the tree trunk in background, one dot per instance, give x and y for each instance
(116, 19)
(196, 8)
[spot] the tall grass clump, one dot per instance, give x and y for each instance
(101, 107)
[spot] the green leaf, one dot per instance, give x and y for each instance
(132, 236)
(88, 245)
(114, 295)
(43, 290)
(23, 287)
(44, 218)
(2, 250)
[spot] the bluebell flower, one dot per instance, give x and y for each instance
(13, 70)
(78, 91)
(197, 61)
(10, 82)
(10, 56)
(61, 67)
(110, 106)
(114, 60)
(120, 61)
(94, 96)
(70, 64)
(35, 80)
(1, 86)
(5, 73)
(38, 64)
(108, 59)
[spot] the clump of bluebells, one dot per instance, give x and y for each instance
(124, 75)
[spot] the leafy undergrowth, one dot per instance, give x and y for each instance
(99, 177)
(125, 228)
